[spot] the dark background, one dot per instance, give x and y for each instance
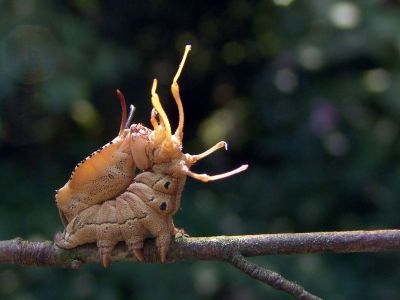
(305, 92)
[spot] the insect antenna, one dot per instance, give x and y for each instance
(205, 177)
(129, 120)
(177, 97)
(155, 100)
(123, 108)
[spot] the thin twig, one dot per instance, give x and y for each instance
(20, 252)
(39, 254)
(271, 278)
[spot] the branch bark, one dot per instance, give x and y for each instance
(273, 279)
(232, 249)
(26, 253)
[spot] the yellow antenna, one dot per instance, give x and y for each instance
(205, 177)
(177, 97)
(155, 100)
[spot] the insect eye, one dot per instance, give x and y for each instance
(163, 206)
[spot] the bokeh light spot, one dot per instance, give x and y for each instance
(23, 8)
(310, 57)
(283, 2)
(377, 80)
(336, 144)
(206, 281)
(386, 130)
(216, 127)
(84, 113)
(286, 80)
(345, 15)
(233, 53)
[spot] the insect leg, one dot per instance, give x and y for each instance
(163, 240)
(108, 231)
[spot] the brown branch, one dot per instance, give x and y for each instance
(232, 249)
(20, 252)
(273, 279)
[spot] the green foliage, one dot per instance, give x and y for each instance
(306, 92)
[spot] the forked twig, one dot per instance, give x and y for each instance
(273, 279)
(219, 248)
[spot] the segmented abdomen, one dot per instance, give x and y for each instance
(145, 208)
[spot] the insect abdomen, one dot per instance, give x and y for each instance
(102, 176)
(131, 217)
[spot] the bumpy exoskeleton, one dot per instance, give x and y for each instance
(108, 171)
(144, 209)
(99, 209)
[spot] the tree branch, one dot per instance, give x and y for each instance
(232, 249)
(271, 278)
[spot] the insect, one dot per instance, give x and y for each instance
(106, 202)
(105, 173)
(144, 209)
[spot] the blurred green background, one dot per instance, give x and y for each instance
(305, 92)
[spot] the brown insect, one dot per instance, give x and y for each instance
(107, 172)
(144, 209)
(105, 202)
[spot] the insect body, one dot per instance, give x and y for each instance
(105, 173)
(105, 202)
(145, 208)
